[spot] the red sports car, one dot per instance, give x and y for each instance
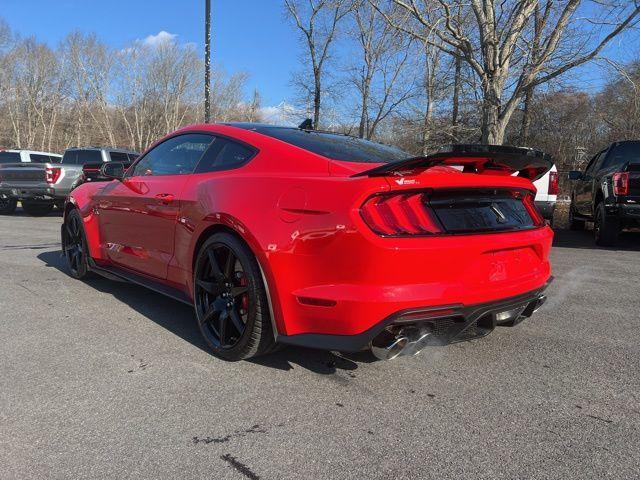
(283, 235)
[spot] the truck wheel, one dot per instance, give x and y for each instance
(7, 206)
(574, 223)
(37, 209)
(606, 228)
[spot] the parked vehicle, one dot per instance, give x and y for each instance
(40, 186)
(8, 204)
(547, 193)
(608, 192)
(300, 237)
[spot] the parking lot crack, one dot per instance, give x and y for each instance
(239, 466)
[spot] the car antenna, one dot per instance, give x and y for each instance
(306, 125)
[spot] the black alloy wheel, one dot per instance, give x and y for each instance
(230, 300)
(74, 245)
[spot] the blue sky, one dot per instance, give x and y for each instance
(248, 35)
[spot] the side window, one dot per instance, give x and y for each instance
(225, 155)
(176, 156)
(119, 157)
(36, 158)
(593, 164)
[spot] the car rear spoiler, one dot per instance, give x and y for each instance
(480, 159)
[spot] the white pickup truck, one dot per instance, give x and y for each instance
(547, 195)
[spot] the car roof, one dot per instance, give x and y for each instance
(106, 149)
(30, 151)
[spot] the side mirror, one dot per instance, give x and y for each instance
(575, 175)
(113, 170)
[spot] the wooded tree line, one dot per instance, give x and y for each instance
(86, 93)
(414, 73)
(419, 73)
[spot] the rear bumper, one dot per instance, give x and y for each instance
(546, 208)
(449, 323)
(42, 193)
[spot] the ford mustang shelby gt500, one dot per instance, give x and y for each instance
(283, 235)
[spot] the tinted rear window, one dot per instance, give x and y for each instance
(9, 157)
(335, 146)
(119, 157)
(37, 158)
(626, 152)
(80, 157)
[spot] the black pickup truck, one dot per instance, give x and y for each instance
(607, 193)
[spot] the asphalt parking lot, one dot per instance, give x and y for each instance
(108, 380)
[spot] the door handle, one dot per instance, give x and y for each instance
(165, 198)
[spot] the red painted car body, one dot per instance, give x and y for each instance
(326, 271)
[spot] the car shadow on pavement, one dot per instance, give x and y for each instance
(628, 241)
(179, 319)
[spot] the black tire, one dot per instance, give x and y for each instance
(74, 245)
(7, 206)
(605, 228)
(230, 299)
(574, 223)
(37, 209)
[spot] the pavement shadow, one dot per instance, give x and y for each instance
(179, 319)
(56, 212)
(628, 241)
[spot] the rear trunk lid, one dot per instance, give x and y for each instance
(460, 190)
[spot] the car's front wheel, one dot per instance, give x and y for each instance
(230, 299)
(7, 205)
(37, 209)
(605, 228)
(74, 245)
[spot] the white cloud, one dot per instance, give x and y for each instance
(283, 114)
(160, 39)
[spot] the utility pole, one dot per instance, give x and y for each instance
(207, 61)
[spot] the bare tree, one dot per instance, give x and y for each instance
(318, 22)
(379, 72)
(495, 47)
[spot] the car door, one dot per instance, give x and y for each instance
(138, 215)
(584, 187)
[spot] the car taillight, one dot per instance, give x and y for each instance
(621, 184)
(52, 174)
(530, 205)
(553, 183)
(400, 214)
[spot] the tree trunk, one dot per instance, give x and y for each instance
(526, 117)
(456, 93)
(493, 124)
(316, 102)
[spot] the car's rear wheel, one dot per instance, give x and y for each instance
(7, 205)
(74, 245)
(230, 299)
(574, 223)
(605, 228)
(37, 209)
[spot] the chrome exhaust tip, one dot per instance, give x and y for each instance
(393, 342)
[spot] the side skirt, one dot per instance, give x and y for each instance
(122, 275)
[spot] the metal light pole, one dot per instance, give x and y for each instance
(207, 62)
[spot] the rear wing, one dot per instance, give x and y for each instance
(480, 159)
